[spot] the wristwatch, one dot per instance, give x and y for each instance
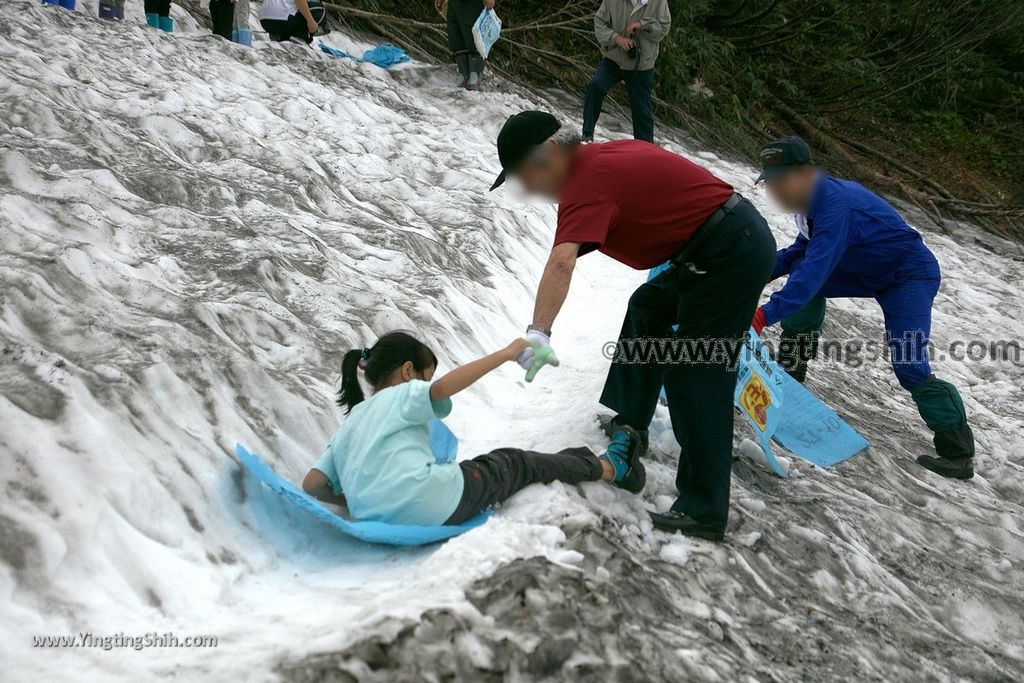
(539, 328)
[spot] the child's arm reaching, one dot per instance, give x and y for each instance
(465, 375)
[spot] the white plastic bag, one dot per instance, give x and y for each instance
(486, 31)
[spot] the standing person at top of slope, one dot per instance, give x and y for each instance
(853, 244)
(643, 205)
(158, 14)
(222, 18)
(462, 14)
(629, 33)
(287, 19)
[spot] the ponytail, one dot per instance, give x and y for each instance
(350, 393)
(391, 351)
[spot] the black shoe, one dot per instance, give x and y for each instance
(625, 445)
(672, 521)
(609, 423)
(953, 468)
(587, 138)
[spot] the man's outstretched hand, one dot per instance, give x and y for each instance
(538, 355)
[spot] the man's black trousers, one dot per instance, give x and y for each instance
(713, 303)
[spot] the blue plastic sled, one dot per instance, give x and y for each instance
(812, 430)
(370, 532)
(443, 444)
(759, 396)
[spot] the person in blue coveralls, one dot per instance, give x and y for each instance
(853, 244)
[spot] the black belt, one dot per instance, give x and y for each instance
(683, 258)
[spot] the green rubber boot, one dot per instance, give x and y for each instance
(942, 409)
(167, 24)
(798, 343)
(153, 19)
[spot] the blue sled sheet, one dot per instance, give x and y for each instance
(371, 532)
(811, 430)
(759, 396)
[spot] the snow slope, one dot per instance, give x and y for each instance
(192, 233)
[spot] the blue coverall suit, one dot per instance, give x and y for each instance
(853, 244)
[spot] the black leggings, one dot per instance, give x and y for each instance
(222, 14)
(492, 478)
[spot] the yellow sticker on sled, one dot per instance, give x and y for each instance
(755, 399)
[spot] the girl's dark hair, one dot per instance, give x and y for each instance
(391, 351)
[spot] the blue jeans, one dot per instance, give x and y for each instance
(638, 86)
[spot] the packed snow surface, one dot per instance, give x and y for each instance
(191, 235)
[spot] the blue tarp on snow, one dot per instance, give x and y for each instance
(384, 56)
(371, 532)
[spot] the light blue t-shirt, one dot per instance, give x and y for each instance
(381, 459)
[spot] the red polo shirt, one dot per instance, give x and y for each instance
(635, 201)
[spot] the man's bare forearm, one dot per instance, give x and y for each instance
(554, 284)
(303, 7)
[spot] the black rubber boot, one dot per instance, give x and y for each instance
(673, 521)
(951, 468)
(609, 423)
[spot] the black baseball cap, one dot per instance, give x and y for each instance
(781, 156)
(519, 136)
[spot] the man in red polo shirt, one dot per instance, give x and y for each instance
(643, 205)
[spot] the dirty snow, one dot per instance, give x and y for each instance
(192, 233)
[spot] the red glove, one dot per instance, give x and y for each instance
(758, 323)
